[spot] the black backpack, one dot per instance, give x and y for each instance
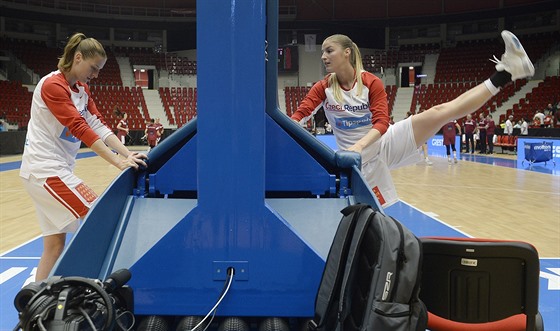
(371, 279)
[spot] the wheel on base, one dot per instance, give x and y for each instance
(233, 324)
(188, 323)
(153, 323)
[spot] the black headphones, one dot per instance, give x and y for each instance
(37, 302)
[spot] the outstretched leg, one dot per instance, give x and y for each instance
(514, 64)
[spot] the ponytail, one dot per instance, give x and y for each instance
(358, 66)
(89, 47)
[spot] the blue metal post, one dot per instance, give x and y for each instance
(231, 106)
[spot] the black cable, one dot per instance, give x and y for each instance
(86, 316)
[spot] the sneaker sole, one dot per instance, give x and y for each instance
(513, 43)
(528, 66)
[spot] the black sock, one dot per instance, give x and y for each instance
(500, 78)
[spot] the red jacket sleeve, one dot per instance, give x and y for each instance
(58, 100)
(312, 100)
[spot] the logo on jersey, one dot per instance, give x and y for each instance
(351, 108)
(348, 123)
(68, 136)
(83, 111)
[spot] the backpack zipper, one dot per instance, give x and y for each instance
(401, 258)
(382, 313)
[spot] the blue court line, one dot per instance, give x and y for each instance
(10, 165)
(420, 223)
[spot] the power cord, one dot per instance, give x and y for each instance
(132, 320)
(229, 279)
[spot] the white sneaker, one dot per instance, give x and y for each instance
(455, 160)
(428, 162)
(515, 59)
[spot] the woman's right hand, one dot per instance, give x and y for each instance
(134, 160)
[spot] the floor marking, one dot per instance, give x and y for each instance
(10, 273)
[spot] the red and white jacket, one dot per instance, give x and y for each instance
(355, 116)
(62, 116)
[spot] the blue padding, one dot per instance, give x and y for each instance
(289, 167)
(179, 173)
(323, 153)
(171, 145)
(346, 159)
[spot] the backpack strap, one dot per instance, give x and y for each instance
(355, 208)
(326, 302)
(348, 281)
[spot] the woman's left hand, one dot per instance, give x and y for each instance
(136, 159)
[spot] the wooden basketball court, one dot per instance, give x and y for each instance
(479, 199)
(487, 201)
(19, 222)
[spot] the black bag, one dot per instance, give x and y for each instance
(371, 280)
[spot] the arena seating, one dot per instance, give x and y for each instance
(15, 103)
(452, 67)
(111, 73)
(391, 91)
(506, 142)
(454, 76)
(293, 96)
(379, 59)
(178, 65)
(546, 92)
(183, 102)
(34, 54)
(392, 57)
(426, 96)
(128, 100)
(468, 61)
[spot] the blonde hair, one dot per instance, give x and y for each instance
(355, 60)
(89, 47)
